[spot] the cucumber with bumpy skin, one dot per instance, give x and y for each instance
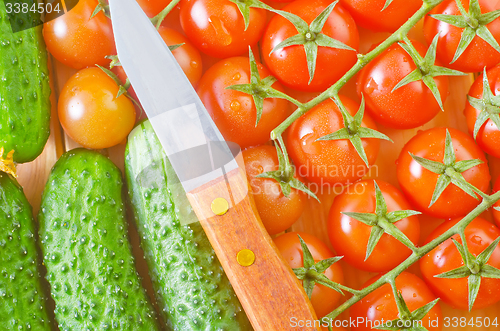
(83, 234)
(191, 287)
(24, 88)
(22, 301)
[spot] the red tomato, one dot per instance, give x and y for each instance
(379, 306)
(479, 235)
(289, 64)
(187, 55)
(153, 7)
(488, 137)
(323, 299)
(496, 213)
(234, 112)
(332, 162)
(369, 13)
(91, 114)
(418, 183)
(377, 80)
(276, 211)
(216, 27)
(349, 237)
(478, 54)
(78, 41)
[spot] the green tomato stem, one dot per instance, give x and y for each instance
(363, 60)
(417, 255)
(158, 19)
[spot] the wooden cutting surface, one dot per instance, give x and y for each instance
(33, 176)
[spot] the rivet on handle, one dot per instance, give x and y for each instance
(220, 206)
(245, 257)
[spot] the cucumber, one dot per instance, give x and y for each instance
(83, 235)
(191, 288)
(24, 88)
(22, 300)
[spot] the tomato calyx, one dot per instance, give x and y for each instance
(259, 89)
(310, 36)
(450, 171)
(244, 8)
(7, 165)
(488, 105)
(382, 222)
(102, 6)
(475, 268)
(352, 130)
(313, 272)
(426, 69)
(284, 175)
(407, 320)
(474, 24)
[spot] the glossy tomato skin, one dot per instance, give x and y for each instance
(78, 41)
(479, 234)
(333, 162)
(89, 112)
(276, 211)
(349, 237)
(418, 183)
(289, 64)
(479, 54)
(496, 213)
(187, 55)
(409, 106)
(323, 299)
(234, 112)
(153, 7)
(488, 137)
(380, 304)
(217, 28)
(368, 13)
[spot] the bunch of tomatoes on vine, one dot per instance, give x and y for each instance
(272, 76)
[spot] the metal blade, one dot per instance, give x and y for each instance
(190, 138)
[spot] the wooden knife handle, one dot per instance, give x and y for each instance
(268, 290)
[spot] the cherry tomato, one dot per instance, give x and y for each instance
(234, 112)
(153, 7)
(91, 114)
(323, 299)
(377, 80)
(418, 183)
(479, 235)
(379, 306)
(479, 54)
(349, 237)
(369, 14)
(78, 41)
(276, 211)
(332, 162)
(289, 64)
(217, 28)
(488, 137)
(496, 213)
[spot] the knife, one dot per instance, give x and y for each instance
(209, 171)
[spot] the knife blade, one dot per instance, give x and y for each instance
(206, 166)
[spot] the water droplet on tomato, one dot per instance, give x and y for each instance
(476, 240)
(220, 30)
(237, 76)
(194, 64)
(380, 307)
(235, 105)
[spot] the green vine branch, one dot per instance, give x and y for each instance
(418, 253)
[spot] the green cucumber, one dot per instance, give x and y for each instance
(22, 300)
(83, 235)
(24, 88)
(191, 287)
